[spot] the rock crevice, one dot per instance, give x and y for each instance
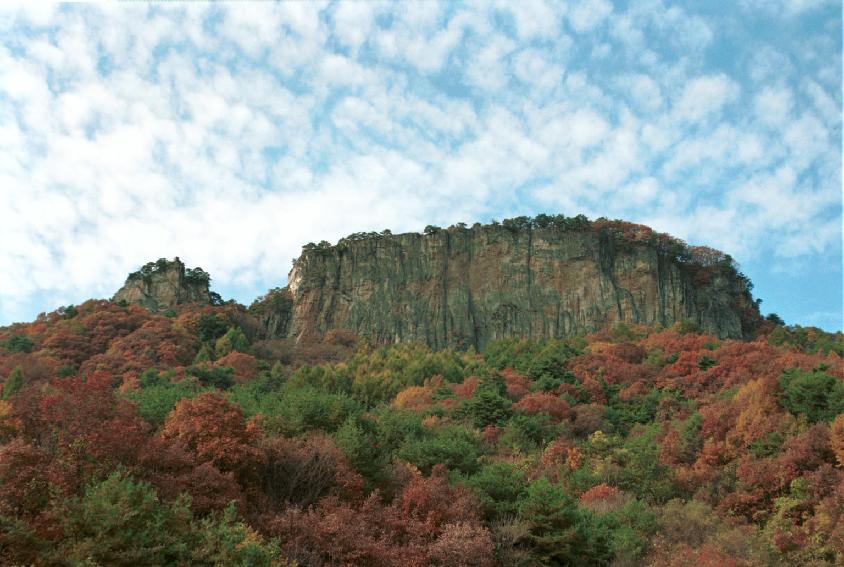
(463, 287)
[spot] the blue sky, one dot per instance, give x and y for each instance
(232, 134)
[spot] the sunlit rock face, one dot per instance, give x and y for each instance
(164, 284)
(462, 287)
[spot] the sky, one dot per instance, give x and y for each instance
(232, 134)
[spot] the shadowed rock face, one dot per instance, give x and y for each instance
(164, 284)
(465, 286)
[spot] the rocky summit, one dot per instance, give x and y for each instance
(543, 277)
(164, 284)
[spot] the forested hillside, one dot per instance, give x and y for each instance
(128, 438)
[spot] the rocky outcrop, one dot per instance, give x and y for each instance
(462, 287)
(164, 284)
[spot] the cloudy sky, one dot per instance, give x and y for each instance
(230, 135)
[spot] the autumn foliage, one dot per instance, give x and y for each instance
(133, 438)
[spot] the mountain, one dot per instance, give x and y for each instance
(176, 430)
(547, 277)
(543, 277)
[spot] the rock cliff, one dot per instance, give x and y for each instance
(533, 278)
(164, 284)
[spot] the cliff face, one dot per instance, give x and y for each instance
(273, 312)
(463, 287)
(164, 284)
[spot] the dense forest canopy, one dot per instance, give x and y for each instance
(128, 438)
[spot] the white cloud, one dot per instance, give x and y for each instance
(643, 191)
(353, 22)
(415, 40)
(826, 106)
(787, 8)
(692, 32)
(488, 69)
(773, 105)
(533, 68)
(704, 96)
(534, 18)
(806, 137)
(645, 92)
(585, 15)
(721, 149)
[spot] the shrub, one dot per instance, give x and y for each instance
(487, 407)
(155, 400)
(210, 327)
(233, 340)
(499, 488)
(221, 377)
(815, 394)
(455, 447)
(19, 343)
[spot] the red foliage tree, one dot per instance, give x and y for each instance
(156, 344)
(23, 479)
(69, 345)
(215, 431)
(245, 366)
(108, 322)
(462, 545)
(302, 471)
(603, 498)
(174, 471)
(517, 385)
(466, 389)
(428, 503)
(81, 425)
(36, 366)
(543, 402)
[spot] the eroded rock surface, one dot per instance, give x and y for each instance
(463, 286)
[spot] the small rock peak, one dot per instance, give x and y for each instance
(163, 284)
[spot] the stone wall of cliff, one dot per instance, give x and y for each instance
(465, 286)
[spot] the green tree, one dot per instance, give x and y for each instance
(815, 394)
(156, 399)
(13, 382)
(120, 521)
(488, 405)
(233, 340)
(456, 447)
(528, 432)
(221, 539)
(357, 439)
(19, 343)
(221, 377)
(211, 327)
(205, 354)
(293, 409)
(499, 488)
(638, 467)
(624, 414)
(395, 427)
(67, 312)
(552, 520)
